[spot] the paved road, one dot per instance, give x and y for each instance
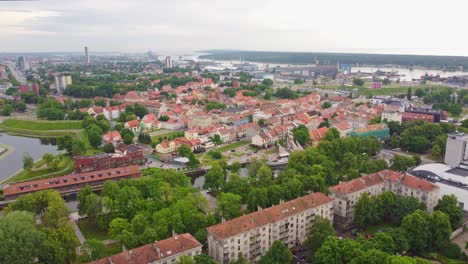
(73, 217)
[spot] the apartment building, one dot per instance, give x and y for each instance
(167, 251)
(252, 235)
(346, 194)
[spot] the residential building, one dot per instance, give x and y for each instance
(251, 235)
(200, 120)
(87, 60)
(436, 113)
(133, 125)
(318, 134)
(392, 115)
(408, 117)
(168, 62)
(112, 137)
(347, 194)
(61, 83)
(72, 183)
(261, 140)
(167, 251)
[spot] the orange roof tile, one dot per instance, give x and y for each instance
(262, 217)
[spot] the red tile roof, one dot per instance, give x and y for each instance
(318, 134)
(70, 179)
(417, 183)
(265, 216)
(153, 252)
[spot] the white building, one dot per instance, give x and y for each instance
(456, 154)
(391, 116)
(346, 194)
(252, 235)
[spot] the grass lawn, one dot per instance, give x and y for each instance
(65, 167)
(90, 231)
(375, 228)
(238, 154)
(41, 125)
(232, 146)
(272, 150)
(168, 134)
(112, 249)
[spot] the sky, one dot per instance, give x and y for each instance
(435, 27)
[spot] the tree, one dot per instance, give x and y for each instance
(278, 253)
(48, 159)
(267, 82)
(365, 211)
(326, 105)
(448, 204)
(440, 230)
(401, 163)
(217, 139)
(214, 179)
(144, 138)
(128, 139)
(319, 231)
(163, 118)
(409, 94)
(203, 259)
(185, 259)
(21, 241)
(386, 203)
(65, 142)
(94, 139)
(386, 81)
(358, 81)
(298, 81)
(417, 228)
(229, 205)
(28, 162)
(264, 176)
(436, 152)
(235, 167)
(301, 134)
(332, 134)
(108, 148)
(7, 110)
(406, 205)
(81, 198)
(77, 147)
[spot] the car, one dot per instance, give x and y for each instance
(233, 150)
(162, 165)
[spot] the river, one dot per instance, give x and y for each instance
(13, 161)
(408, 74)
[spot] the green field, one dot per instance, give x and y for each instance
(41, 125)
(169, 134)
(65, 167)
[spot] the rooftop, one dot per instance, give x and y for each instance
(265, 216)
(153, 252)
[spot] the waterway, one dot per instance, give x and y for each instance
(407, 74)
(13, 162)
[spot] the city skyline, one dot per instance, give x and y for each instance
(185, 26)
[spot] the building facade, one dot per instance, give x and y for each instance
(456, 154)
(251, 235)
(131, 155)
(347, 194)
(167, 251)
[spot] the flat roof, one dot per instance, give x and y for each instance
(459, 172)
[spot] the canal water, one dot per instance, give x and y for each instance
(13, 161)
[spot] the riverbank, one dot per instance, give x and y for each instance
(5, 150)
(39, 129)
(41, 171)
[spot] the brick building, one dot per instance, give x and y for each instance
(126, 155)
(408, 117)
(252, 235)
(346, 194)
(71, 183)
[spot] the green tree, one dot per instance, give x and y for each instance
(406, 205)
(449, 205)
(301, 134)
(48, 159)
(278, 253)
(94, 139)
(332, 134)
(21, 241)
(229, 205)
(409, 94)
(358, 81)
(326, 105)
(440, 229)
(401, 163)
(267, 82)
(203, 259)
(128, 139)
(319, 231)
(28, 162)
(436, 152)
(7, 110)
(365, 211)
(214, 179)
(108, 148)
(235, 167)
(417, 228)
(264, 176)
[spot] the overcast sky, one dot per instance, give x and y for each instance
(397, 26)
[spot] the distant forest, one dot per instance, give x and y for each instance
(428, 61)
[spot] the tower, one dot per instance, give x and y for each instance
(168, 63)
(86, 55)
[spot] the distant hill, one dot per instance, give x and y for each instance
(428, 61)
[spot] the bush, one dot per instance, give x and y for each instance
(452, 250)
(215, 154)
